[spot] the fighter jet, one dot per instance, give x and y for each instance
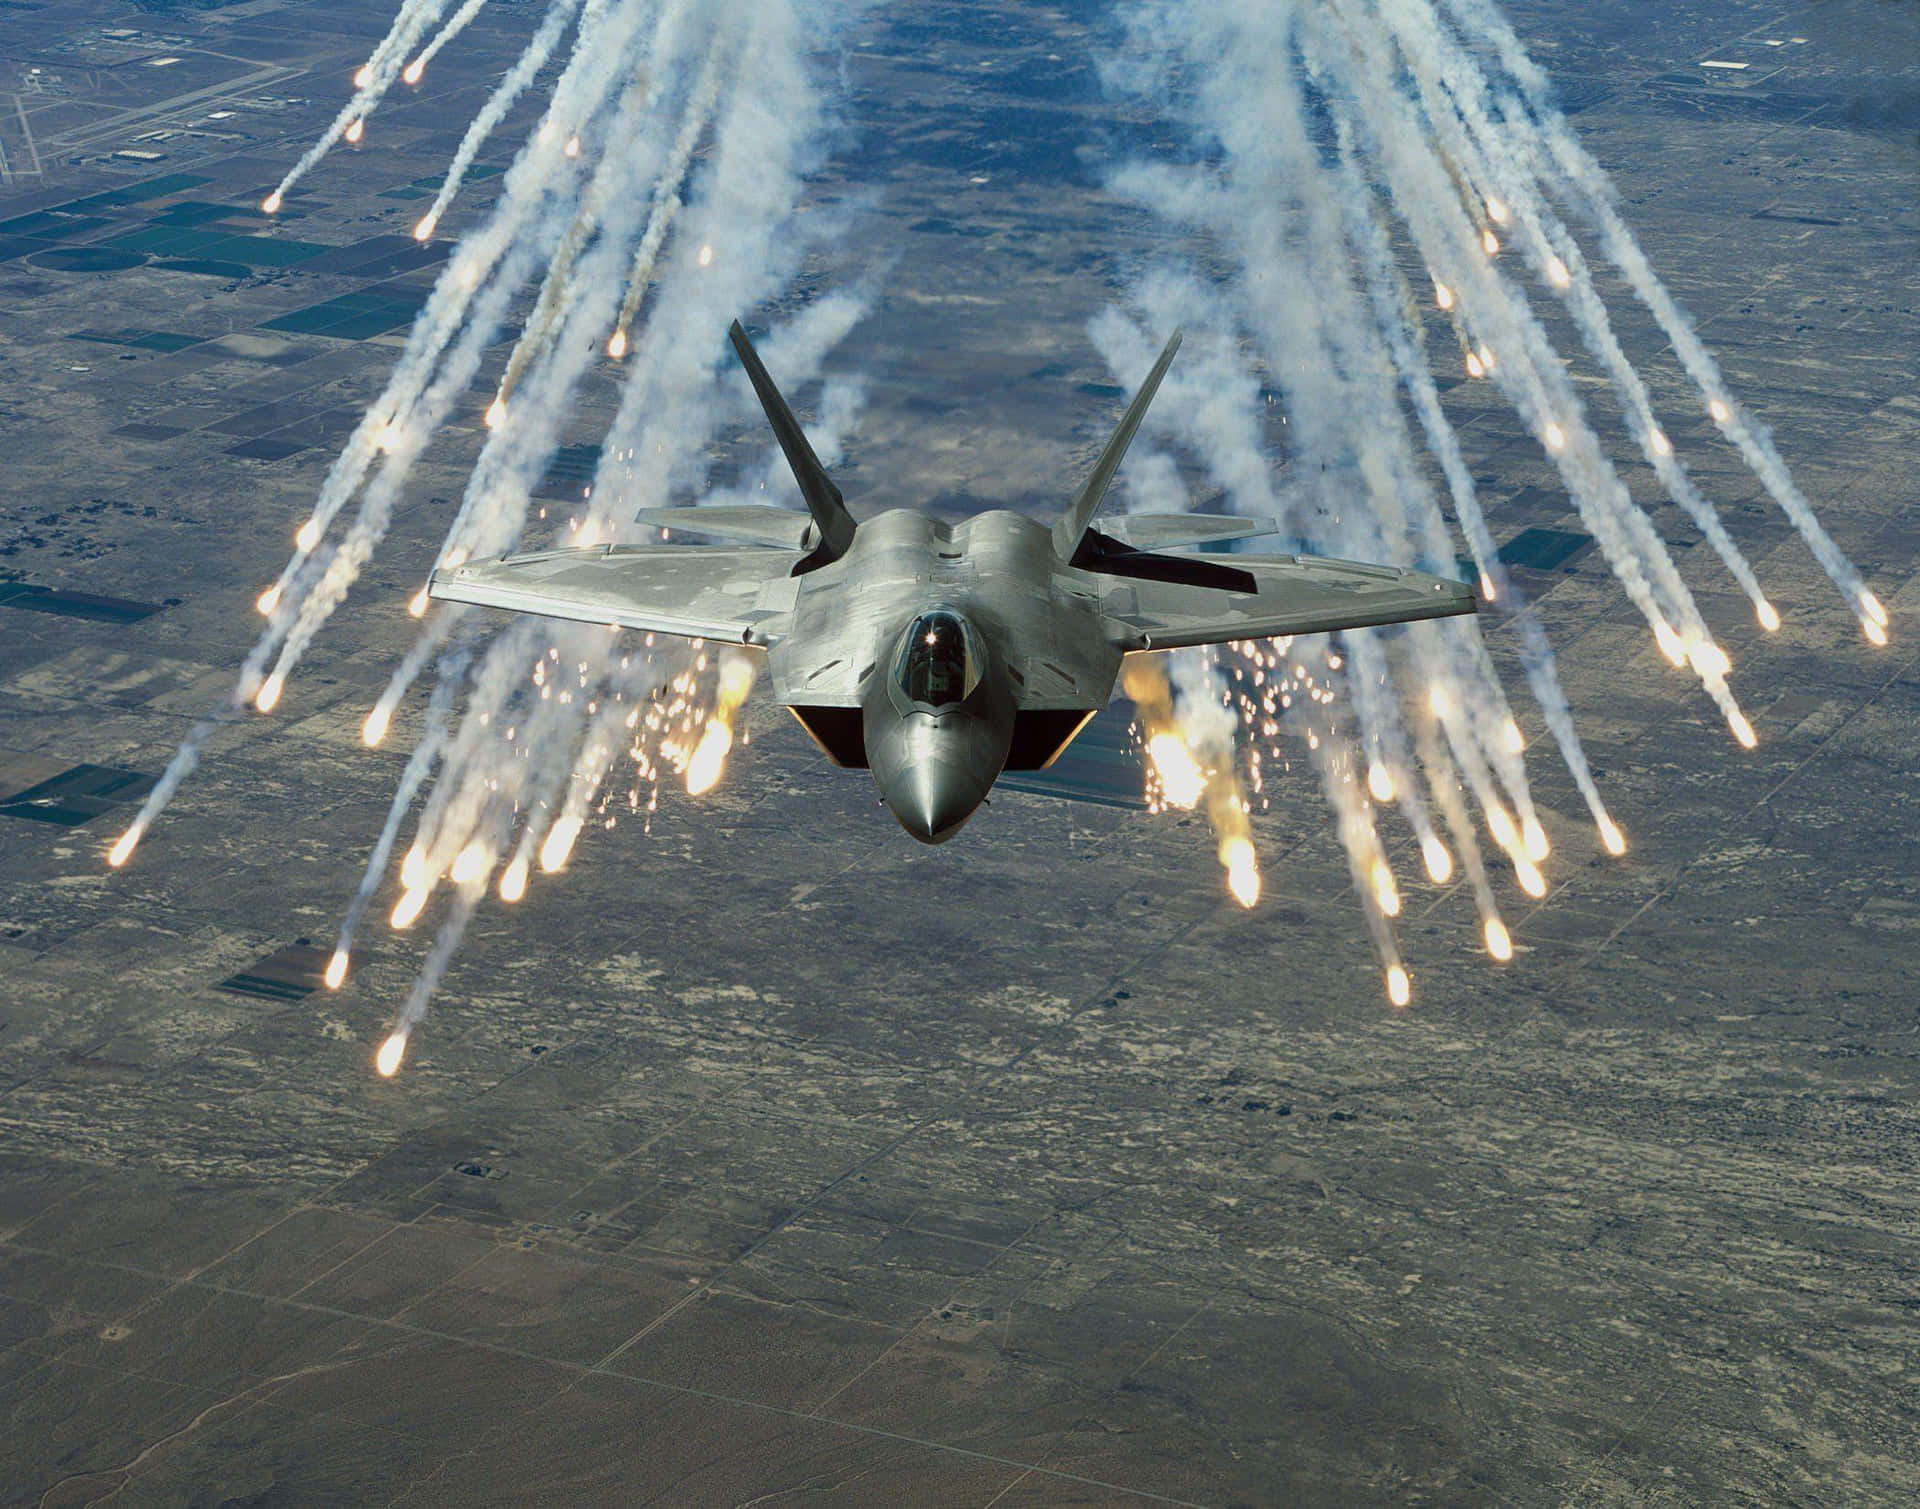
(938, 655)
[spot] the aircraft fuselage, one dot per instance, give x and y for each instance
(959, 649)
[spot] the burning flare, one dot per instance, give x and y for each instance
(387, 1060)
(1399, 986)
(1439, 861)
(716, 739)
(1182, 780)
(336, 969)
(1242, 863)
(513, 883)
(558, 843)
(407, 910)
(1499, 943)
(124, 846)
(375, 728)
(268, 697)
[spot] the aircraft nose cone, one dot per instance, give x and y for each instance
(932, 801)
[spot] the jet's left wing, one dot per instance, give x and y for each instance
(1293, 595)
(727, 594)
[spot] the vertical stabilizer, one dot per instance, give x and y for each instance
(831, 521)
(1073, 523)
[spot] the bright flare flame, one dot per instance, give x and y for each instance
(1876, 636)
(1499, 943)
(1181, 778)
(1380, 784)
(1768, 615)
(617, 346)
(1871, 606)
(268, 697)
(375, 728)
(1720, 412)
(1671, 644)
(1533, 839)
(1486, 587)
(413, 869)
(1557, 273)
(1708, 659)
(1490, 242)
(1399, 987)
(390, 434)
(308, 534)
(1384, 890)
(363, 76)
(267, 601)
(407, 910)
(417, 604)
(387, 1060)
(271, 204)
(1486, 357)
(1475, 367)
(124, 846)
(705, 257)
(1496, 210)
(1515, 740)
(1439, 861)
(1554, 436)
(471, 864)
(1242, 864)
(513, 884)
(1437, 701)
(336, 969)
(414, 69)
(1442, 295)
(1501, 827)
(558, 843)
(496, 411)
(1611, 836)
(709, 757)
(357, 130)
(573, 146)
(425, 229)
(1531, 880)
(1742, 729)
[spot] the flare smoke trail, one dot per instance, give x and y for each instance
(1364, 165)
(673, 145)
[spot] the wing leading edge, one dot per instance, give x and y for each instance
(1295, 595)
(697, 592)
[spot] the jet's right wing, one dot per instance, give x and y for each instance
(744, 596)
(1292, 595)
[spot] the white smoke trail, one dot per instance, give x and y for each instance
(539, 52)
(371, 84)
(458, 23)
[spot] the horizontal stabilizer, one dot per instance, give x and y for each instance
(747, 523)
(1292, 595)
(699, 592)
(1163, 531)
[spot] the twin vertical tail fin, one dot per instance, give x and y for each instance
(1072, 526)
(833, 525)
(1085, 548)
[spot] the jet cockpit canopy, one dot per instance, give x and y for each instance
(941, 659)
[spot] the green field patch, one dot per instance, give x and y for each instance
(140, 193)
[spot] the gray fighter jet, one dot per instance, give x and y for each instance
(939, 655)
